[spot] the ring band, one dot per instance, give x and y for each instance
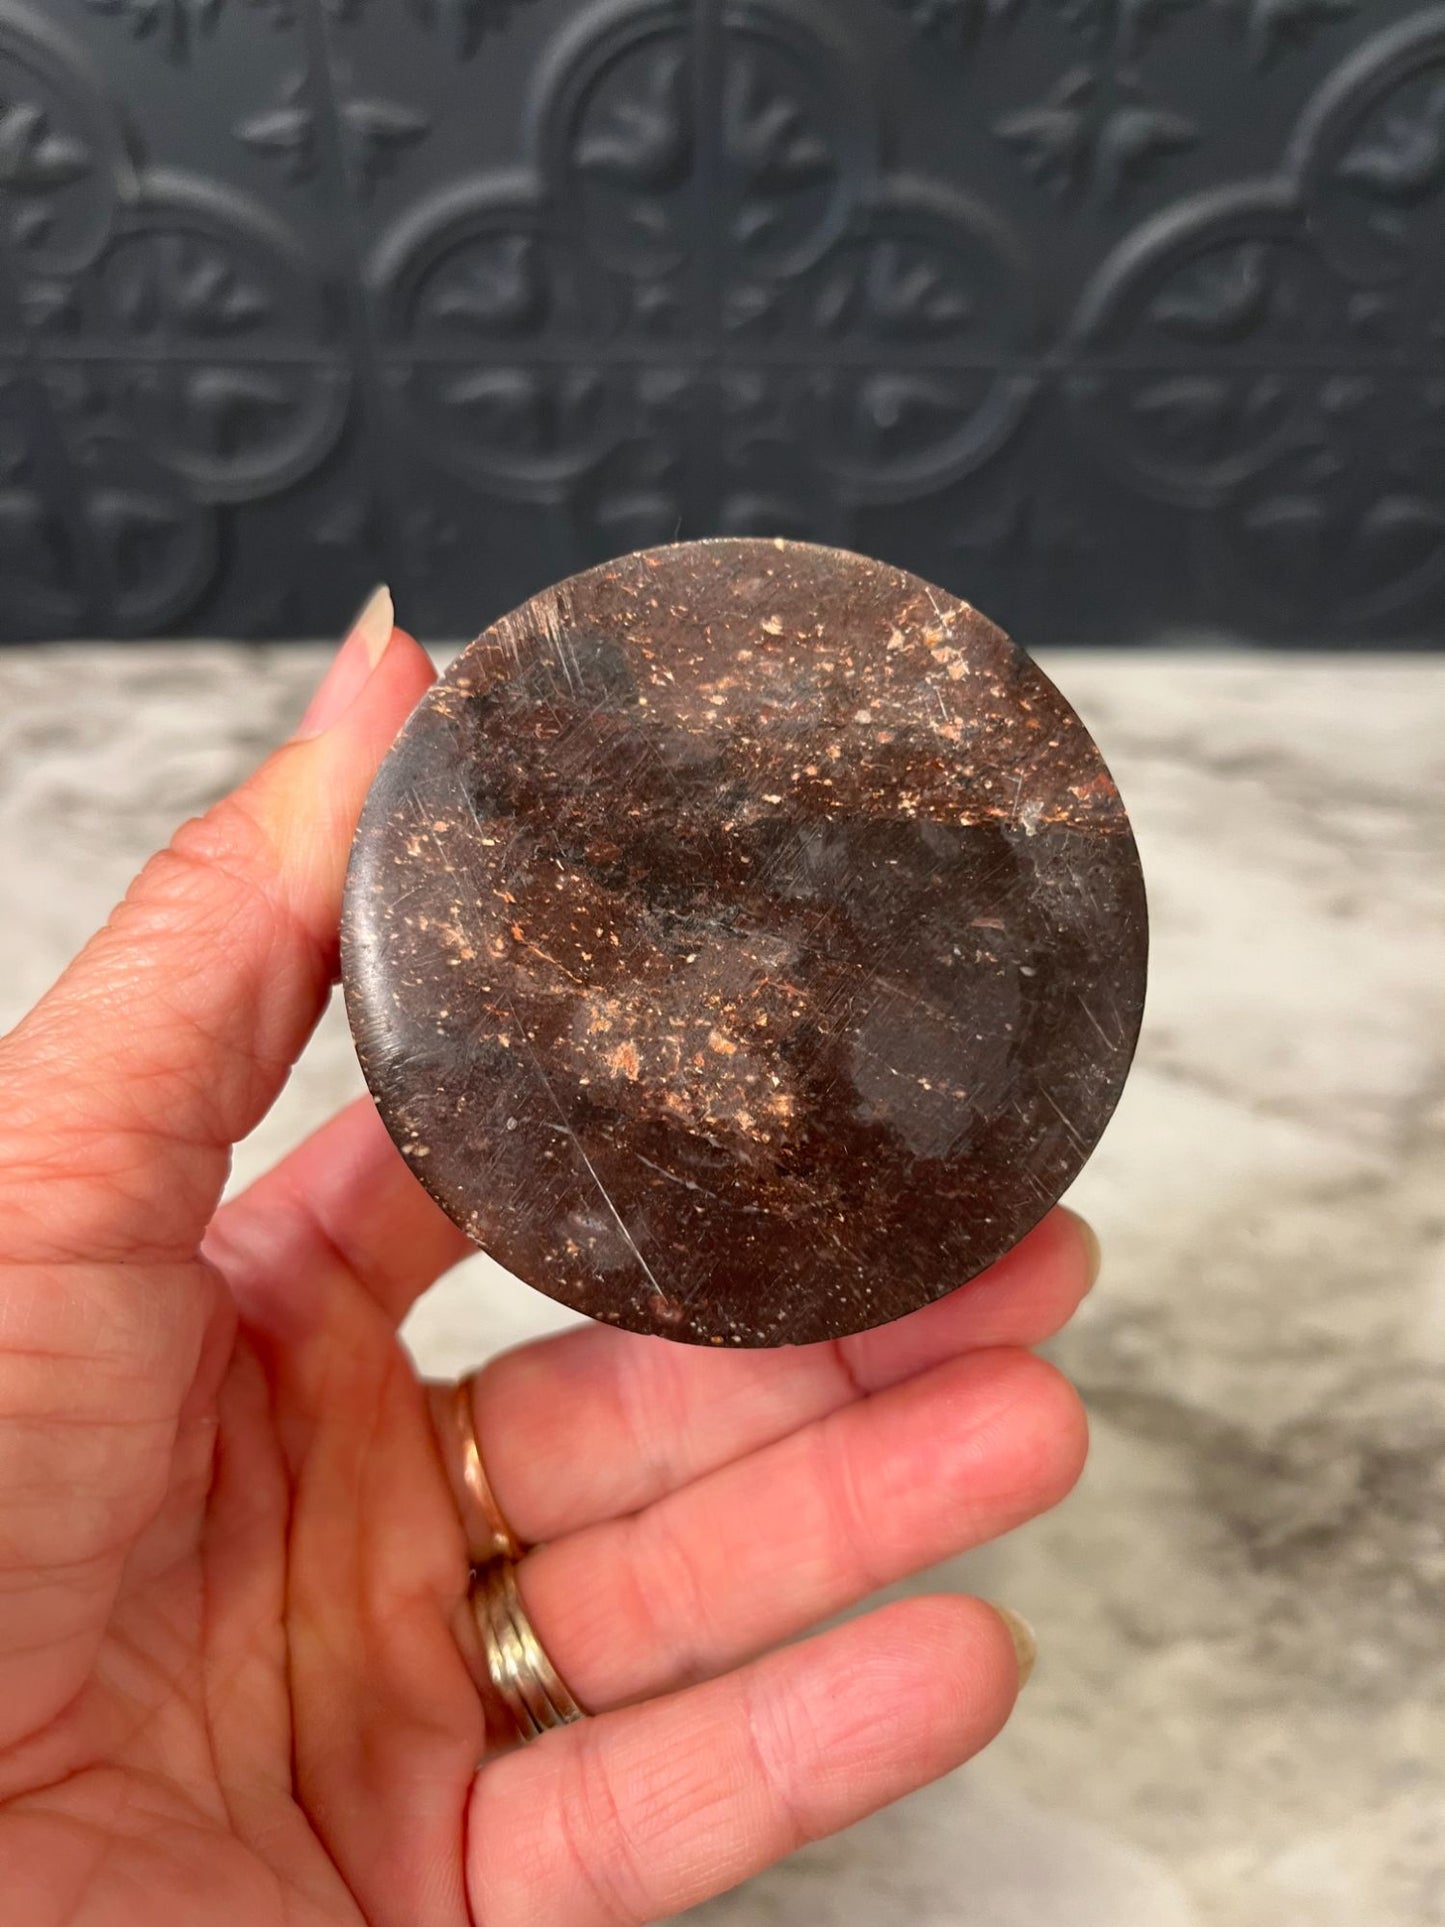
(488, 1534)
(525, 1680)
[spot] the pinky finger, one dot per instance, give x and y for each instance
(638, 1814)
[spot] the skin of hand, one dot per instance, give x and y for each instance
(237, 1669)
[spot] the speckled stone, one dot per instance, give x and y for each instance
(744, 942)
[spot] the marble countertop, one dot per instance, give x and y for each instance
(1237, 1714)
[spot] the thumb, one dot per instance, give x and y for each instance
(170, 1035)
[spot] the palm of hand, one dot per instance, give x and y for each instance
(237, 1668)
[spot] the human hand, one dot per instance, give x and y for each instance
(237, 1662)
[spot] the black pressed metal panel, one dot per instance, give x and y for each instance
(1122, 318)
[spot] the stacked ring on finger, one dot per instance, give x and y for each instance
(533, 1692)
(525, 1680)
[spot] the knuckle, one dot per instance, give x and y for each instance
(609, 1858)
(779, 1731)
(227, 837)
(214, 871)
(221, 874)
(854, 1524)
(650, 1414)
(673, 1602)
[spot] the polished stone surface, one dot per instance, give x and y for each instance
(1236, 1714)
(744, 942)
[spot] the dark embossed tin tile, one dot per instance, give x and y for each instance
(1120, 315)
(745, 942)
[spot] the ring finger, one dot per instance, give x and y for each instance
(763, 1548)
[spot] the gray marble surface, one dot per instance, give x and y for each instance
(1239, 1712)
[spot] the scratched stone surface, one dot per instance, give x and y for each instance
(745, 942)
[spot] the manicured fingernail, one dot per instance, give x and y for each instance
(351, 666)
(1093, 1252)
(1026, 1646)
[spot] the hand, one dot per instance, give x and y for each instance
(237, 1666)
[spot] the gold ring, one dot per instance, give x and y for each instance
(525, 1680)
(488, 1534)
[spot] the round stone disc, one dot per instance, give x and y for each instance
(744, 942)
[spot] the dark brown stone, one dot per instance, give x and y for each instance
(744, 942)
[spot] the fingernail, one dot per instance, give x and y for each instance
(351, 666)
(1026, 1646)
(1093, 1251)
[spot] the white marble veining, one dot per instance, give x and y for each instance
(1239, 1714)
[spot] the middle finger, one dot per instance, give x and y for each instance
(596, 1423)
(762, 1549)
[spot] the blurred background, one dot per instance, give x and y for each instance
(1124, 319)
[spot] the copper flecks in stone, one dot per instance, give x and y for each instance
(745, 942)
